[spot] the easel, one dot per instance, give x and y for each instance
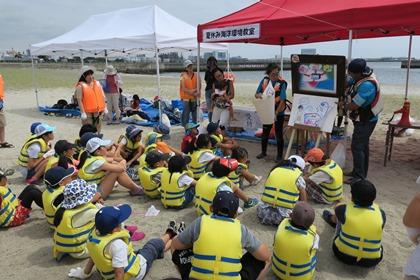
(306, 129)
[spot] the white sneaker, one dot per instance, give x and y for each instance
(256, 180)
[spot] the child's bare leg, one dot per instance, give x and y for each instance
(248, 176)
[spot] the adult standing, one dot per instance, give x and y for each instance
(411, 220)
(112, 93)
(91, 98)
(189, 93)
(280, 86)
(3, 143)
(208, 77)
(223, 93)
(364, 109)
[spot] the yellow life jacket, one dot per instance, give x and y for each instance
(8, 205)
(198, 169)
(89, 177)
(69, 239)
(146, 176)
(293, 255)
(142, 159)
(218, 138)
(130, 147)
(280, 188)
(334, 190)
(218, 249)
(361, 234)
(171, 194)
(205, 190)
(52, 161)
(103, 261)
(235, 177)
(24, 157)
(48, 198)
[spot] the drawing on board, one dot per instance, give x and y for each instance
(314, 111)
(317, 77)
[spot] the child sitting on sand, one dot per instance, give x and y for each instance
(15, 210)
(74, 220)
(191, 133)
(111, 250)
(325, 181)
(56, 179)
(131, 148)
(64, 152)
(201, 156)
(177, 185)
(242, 172)
(221, 145)
(359, 226)
(282, 189)
(296, 244)
(215, 181)
(150, 174)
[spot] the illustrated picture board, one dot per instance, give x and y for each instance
(314, 111)
(320, 75)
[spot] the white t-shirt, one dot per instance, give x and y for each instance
(300, 183)
(185, 180)
(206, 157)
(118, 250)
(320, 177)
(34, 150)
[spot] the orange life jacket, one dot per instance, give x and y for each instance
(1, 87)
(93, 97)
(190, 83)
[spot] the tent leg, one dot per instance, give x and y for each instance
(198, 115)
(408, 66)
(158, 83)
(228, 61)
(346, 98)
(350, 47)
(81, 58)
(34, 82)
(281, 61)
(106, 57)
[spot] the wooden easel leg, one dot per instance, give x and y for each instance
(318, 139)
(289, 146)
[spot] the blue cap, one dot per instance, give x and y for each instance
(56, 174)
(110, 217)
(33, 127)
(43, 128)
(87, 136)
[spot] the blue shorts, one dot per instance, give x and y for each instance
(151, 251)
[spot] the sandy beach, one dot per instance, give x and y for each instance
(27, 249)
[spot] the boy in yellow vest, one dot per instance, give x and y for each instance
(56, 179)
(242, 172)
(325, 181)
(111, 250)
(296, 244)
(217, 241)
(132, 148)
(220, 144)
(359, 225)
(151, 173)
(14, 210)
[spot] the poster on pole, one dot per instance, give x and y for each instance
(314, 111)
(265, 108)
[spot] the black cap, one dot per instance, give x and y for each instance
(154, 157)
(63, 145)
(212, 127)
(56, 174)
(87, 136)
(357, 65)
(225, 203)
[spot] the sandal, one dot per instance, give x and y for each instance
(6, 145)
(326, 215)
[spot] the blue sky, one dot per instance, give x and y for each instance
(24, 22)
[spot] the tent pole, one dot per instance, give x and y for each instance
(408, 66)
(198, 82)
(281, 60)
(81, 57)
(106, 58)
(158, 83)
(33, 81)
(350, 47)
(228, 60)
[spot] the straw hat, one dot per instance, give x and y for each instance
(86, 68)
(110, 70)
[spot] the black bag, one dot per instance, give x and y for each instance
(61, 104)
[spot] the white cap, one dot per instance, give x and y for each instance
(298, 161)
(43, 128)
(86, 68)
(187, 63)
(93, 144)
(110, 70)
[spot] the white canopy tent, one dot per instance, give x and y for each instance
(146, 28)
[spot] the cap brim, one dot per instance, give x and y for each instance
(125, 212)
(69, 171)
(105, 142)
(187, 159)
